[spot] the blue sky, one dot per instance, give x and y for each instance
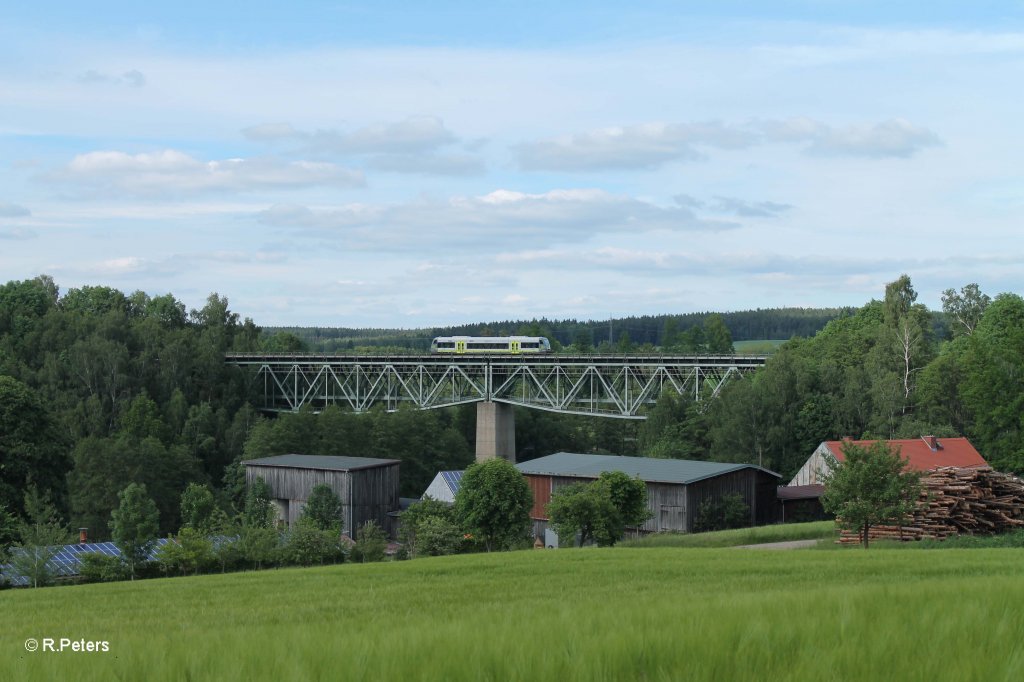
(405, 165)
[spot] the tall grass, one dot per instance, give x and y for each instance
(601, 614)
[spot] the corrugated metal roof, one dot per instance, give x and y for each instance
(646, 468)
(321, 462)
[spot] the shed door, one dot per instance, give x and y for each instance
(671, 518)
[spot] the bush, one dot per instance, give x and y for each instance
(306, 544)
(413, 519)
(371, 543)
(191, 553)
(437, 536)
(259, 546)
(101, 568)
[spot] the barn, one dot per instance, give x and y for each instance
(368, 487)
(922, 454)
(676, 488)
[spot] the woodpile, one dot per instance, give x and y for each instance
(954, 502)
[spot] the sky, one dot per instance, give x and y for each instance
(407, 165)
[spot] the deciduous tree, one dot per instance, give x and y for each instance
(197, 507)
(869, 487)
(584, 509)
(135, 523)
(259, 511)
(41, 536)
(965, 308)
(493, 504)
(323, 508)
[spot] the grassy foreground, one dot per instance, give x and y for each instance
(595, 614)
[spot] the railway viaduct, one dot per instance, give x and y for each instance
(596, 385)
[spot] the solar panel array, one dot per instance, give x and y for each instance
(453, 479)
(66, 563)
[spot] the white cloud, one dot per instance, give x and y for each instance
(132, 78)
(13, 211)
(171, 172)
(409, 146)
(428, 164)
(414, 134)
(652, 145)
(492, 220)
(894, 138)
(738, 207)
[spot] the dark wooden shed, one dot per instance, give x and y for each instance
(676, 488)
(368, 487)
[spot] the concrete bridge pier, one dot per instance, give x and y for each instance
(495, 431)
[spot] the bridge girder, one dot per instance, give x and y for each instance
(589, 385)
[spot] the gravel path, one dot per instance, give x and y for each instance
(791, 544)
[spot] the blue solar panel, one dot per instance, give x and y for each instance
(452, 479)
(66, 562)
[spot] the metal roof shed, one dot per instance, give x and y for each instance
(368, 487)
(676, 488)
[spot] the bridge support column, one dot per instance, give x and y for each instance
(495, 431)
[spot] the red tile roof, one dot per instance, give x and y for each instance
(949, 452)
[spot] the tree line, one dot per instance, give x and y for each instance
(882, 373)
(100, 389)
(652, 331)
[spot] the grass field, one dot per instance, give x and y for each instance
(819, 530)
(592, 614)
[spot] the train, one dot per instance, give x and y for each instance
(509, 345)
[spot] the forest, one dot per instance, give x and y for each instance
(100, 389)
(671, 333)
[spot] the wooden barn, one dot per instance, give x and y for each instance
(921, 454)
(676, 488)
(368, 487)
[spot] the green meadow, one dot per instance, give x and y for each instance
(660, 613)
(824, 531)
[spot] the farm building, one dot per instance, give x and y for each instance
(368, 487)
(444, 486)
(801, 503)
(676, 488)
(922, 454)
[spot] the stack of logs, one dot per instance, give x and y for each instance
(957, 501)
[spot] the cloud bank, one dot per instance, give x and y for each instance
(652, 145)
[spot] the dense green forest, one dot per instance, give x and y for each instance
(681, 333)
(100, 389)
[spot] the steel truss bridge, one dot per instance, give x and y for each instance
(592, 385)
